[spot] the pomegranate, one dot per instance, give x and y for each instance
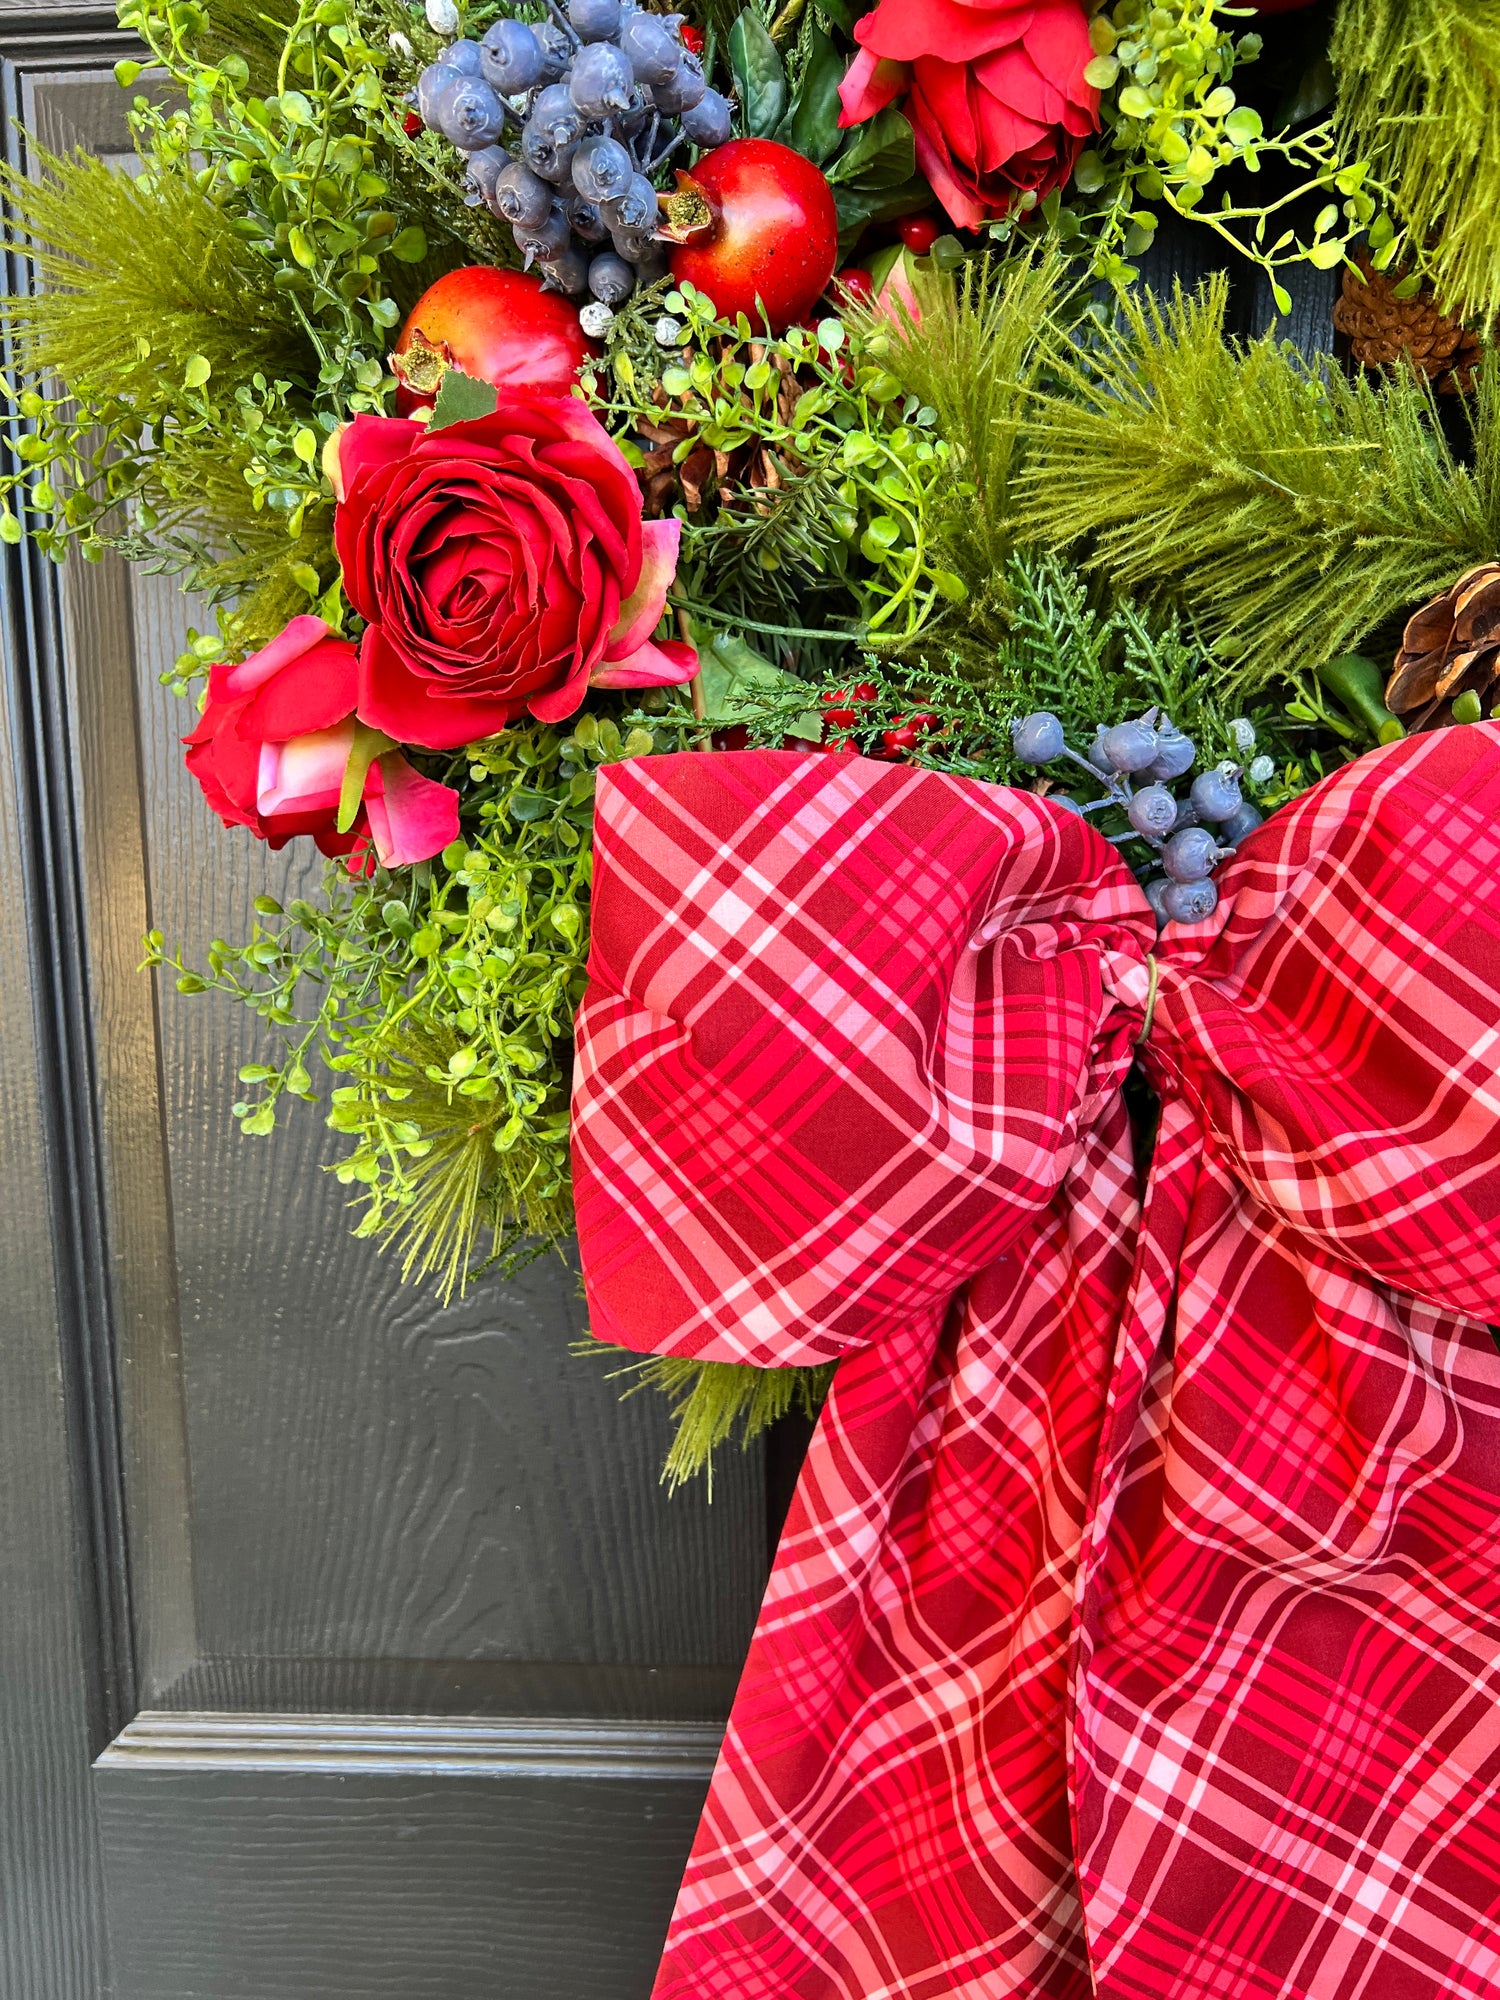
(499, 326)
(756, 231)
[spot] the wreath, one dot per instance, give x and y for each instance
(528, 389)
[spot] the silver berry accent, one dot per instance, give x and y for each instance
(442, 16)
(1242, 731)
(667, 331)
(596, 319)
(1262, 771)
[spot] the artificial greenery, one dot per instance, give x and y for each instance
(709, 1401)
(441, 1000)
(1419, 94)
(836, 526)
(1296, 512)
(212, 318)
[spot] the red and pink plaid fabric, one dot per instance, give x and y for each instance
(1136, 1628)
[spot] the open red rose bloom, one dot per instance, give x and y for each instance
(995, 94)
(503, 566)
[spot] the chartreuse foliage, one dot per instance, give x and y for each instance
(441, 1000)
(1419, 93)
(843, 524)
(215, 315)
(1293, 511)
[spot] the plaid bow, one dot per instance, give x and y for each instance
(1136, 1627)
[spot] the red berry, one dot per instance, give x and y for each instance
(691, 38)
(839, 718)
(411, 125)
(770, 242)
(898, 741)
(918, 233)
(497, 325)
(735, 737)
(865, 691)
(923, 720)
(853, 286)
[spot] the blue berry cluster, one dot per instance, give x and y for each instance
(565, 126)
(1136, 763)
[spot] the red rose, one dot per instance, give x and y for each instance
(1002, 110)
(272, 752)
(503, 565)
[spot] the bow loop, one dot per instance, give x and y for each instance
(852, 1015)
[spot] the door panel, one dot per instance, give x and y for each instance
(402, 1672)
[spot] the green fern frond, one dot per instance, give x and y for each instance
(708, 1399)
(1292, 514)
(1419, 95)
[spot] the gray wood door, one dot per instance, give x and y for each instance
(349, 1645)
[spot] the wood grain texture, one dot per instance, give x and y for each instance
(267, 1885)
(373, 1476)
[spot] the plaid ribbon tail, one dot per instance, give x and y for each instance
(1136, 1625)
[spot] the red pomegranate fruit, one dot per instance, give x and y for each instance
(499, 326)
(756, 232)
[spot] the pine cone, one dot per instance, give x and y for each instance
(1449, 647)
(1381, 329)
(744, 476)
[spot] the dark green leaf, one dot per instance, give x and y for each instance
(881, 154)
(811, 126)
(838, 13)
(856, 207)
(459, 398)
(759, 79)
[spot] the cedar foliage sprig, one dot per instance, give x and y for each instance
(1294, 511)
(1419, 93)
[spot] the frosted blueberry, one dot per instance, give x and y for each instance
(1216, 793)
(596, 319)
(442, 16)
(465, 57)
(588, 224)
(684, 89)
(707, 123)
(1095, 753)
(551, 133)
(568, 274)
(434, 87)
(1245, 820)
(512, 58)
(481, 171)
(544, 242)
(634, 245)
(1155, 893)
(601, 82)
(1131, 746)
(1153, 812)
(635, 211)
(602, 169)
(611, 278)
(1190, 902)
(650, 47)
(471, 116)
(1174, 753)
(1262, 771)
(557, 51)
(650, 265)
(520, 196)
(1190, 856)
(1067, 801)
(594, 20)
(1038, 738)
